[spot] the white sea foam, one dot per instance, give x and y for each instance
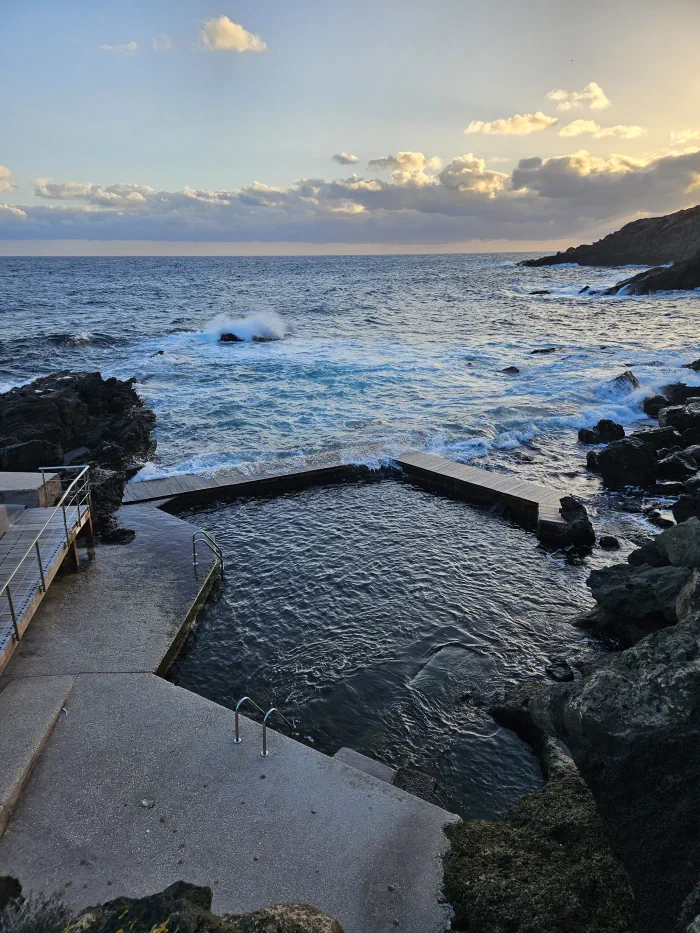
(265, 325)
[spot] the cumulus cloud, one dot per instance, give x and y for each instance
(517, 125)
(5, 176)
(591, 96)
(685, 136)
(161, 43)
(591, 128)
(408, 167)
(128, 48)
(220, 34)
(540, 198)
(345, 158)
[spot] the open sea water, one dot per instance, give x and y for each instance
(380, 616)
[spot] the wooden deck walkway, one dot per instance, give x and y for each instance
(534, 503)
(188, 489)
(25, 589)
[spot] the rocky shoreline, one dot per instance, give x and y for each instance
(72, 418)
(651, 241)
(622, 813)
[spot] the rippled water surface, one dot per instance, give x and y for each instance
(387, 618)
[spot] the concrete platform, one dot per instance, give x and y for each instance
(30, 489)
(141, 784)
(367, 765)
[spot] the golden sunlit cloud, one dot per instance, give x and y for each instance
(591, 96)
(590, 127)
(220, 34)
(517, 125)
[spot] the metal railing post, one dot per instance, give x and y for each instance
(65, 525)
(12, 612)
(41, 566)
(238, 739)
(263, 753)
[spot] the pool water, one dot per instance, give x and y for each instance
(388, 618)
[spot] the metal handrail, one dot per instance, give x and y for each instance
(210, 541)
(263, 753)
(238, 739)
(84, 475)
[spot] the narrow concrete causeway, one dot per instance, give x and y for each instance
(115, 782)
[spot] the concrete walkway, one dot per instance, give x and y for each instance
(139, 782)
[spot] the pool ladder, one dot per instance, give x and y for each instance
(266, 716)
(203, 537)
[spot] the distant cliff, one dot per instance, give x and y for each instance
(652, 241)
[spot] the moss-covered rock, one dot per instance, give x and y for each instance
(547, 867)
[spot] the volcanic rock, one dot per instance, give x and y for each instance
(653, 404)
(603, 433)
(638, 592)
(657, 437)
(609, 542)
(677, 466)
(230, 338)
(629, 462)
(511, 370)
(681, 276)
(624, 383)
(651, 241)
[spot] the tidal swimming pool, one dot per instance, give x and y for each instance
(388, 618)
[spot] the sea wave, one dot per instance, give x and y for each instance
(262, 326)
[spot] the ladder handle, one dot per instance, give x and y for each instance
(238, 739)
(263, 753)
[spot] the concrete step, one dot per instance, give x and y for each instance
(29, 709)
(367, 765)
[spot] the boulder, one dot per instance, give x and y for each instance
(678, 393)
(624, 383)
(609, 542)
(543, 350)
(681, 417)
(632, 724)
(680, 545)
(230, 338)
(678, 465)
(577, 529)
(653, 404)
(511, 370)
(548, 866)
(686, 507)
(603, 433)
(648, 554)
(186, 908)
(695, 366)
(638, 592)
(694, 452)
(659, 438)
(10, 890)
(628, 462)
(592, 461)
(29, 456)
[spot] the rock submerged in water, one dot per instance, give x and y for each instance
(180, 908)
(681, 276)
(604, 432)
(230, 338)
(511, 370)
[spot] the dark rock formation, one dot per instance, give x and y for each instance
(677, 465)
(230, 338)
(67, 411)
(687, 506)
(653, 404)
(650, 241)
(678, 393)
(604, 432)
(681, 417)
(657, 437)
(548, 866)
(544, 350)
(186, 908)
(624, 383)
(10, 890)
(577, 529)
(695, 366)
(632, 724)
(681, 276)
(629, 462)
(609, 542)
(638, 592)
(511, 370)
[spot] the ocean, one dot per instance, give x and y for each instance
(377, 615)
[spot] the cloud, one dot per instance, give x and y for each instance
(220, 34)
(591, 96)
(408, 167)
(590, 127)
(161, 43)
(5, 176)
(128, 48)
(685, 136)
(345, 158)
(541, 198)
(517, 125)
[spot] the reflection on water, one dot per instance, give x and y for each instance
(387, 618)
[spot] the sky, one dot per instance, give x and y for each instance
(302, 126)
